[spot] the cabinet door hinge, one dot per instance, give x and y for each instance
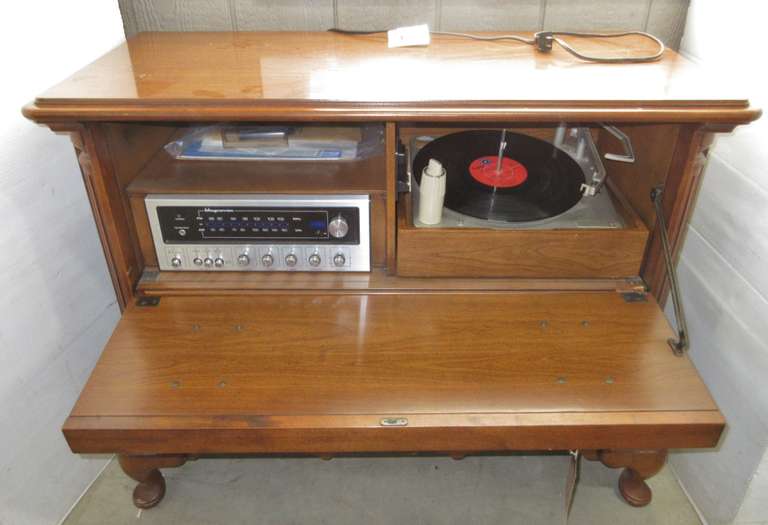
(633, 290)
(147, 300)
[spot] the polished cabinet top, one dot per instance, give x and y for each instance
(282, 75)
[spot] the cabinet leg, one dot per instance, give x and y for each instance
(638, 465)
(146, 470)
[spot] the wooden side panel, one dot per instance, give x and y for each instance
(106, 199)
(143, 232)
(654, 147)
(680, 188)
(390, 138)
(110, 155)
(379, 229)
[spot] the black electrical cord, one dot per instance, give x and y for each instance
(544, 40)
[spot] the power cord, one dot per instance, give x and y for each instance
(545, 40)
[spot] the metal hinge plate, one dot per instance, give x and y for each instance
(635, 297)
(147, 301)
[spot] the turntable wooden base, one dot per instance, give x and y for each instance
(571, 354)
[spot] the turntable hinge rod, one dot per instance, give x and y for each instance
(680, 344)
(502, 147)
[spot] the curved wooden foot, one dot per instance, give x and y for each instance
(145, 469)
(639, 465)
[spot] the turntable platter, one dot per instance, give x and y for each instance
(534, 180)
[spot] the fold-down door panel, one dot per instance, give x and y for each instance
(408, 372)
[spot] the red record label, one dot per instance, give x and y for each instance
(512, 173)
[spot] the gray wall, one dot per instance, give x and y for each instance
(723, 277)
(58, 306)
(665, 18)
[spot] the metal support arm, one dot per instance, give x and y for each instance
(680, 344)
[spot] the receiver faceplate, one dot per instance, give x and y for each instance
(260, 232)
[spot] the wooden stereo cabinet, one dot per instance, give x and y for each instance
(457, 341)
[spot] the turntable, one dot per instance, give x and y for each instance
(502, 180)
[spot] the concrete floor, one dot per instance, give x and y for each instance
(372, 491)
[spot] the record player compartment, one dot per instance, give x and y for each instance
(555, 253)
(567, 246)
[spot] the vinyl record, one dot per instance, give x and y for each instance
(536, 179)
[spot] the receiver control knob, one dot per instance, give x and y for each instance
(267, 260)
(338, 227)
(219, 262)
(176, 262)
(208, 262)
(197, 261)
(339, 259)
(291, 259)
(314, 260)
(243, 259)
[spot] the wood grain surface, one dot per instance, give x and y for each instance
(409, 353)
(464, 361)
(326, 76)
(654, 147)
(447, 434)
(556, 253)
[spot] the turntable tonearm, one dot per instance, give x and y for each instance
(483, 333)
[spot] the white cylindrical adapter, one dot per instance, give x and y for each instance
(432, 193)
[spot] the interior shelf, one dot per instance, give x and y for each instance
(164, 174)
